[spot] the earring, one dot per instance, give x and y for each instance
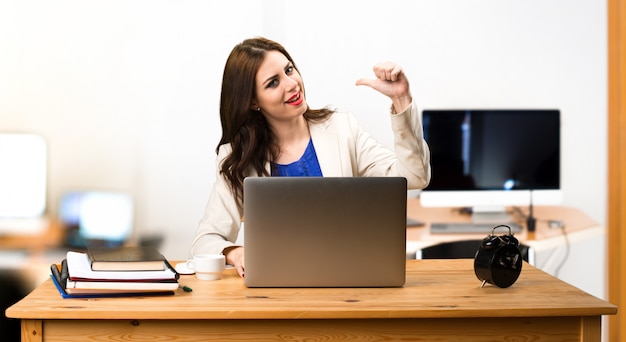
(258, 109)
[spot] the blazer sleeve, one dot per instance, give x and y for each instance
(410, 157)
(220, 225)
(413, 154)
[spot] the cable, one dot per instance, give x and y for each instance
(531, 221)
(524, 217)
(567, 251)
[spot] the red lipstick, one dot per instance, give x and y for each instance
(296, 100)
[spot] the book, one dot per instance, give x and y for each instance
(75, 279)
(98, 287)
(61, 283)
(79, 268)
(125, 259)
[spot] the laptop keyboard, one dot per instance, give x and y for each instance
(472, 228)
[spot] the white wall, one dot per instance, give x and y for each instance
(127, 92)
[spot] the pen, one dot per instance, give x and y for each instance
(186, 288)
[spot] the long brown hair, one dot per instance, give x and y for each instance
(252, 142)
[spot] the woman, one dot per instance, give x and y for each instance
(269, 130)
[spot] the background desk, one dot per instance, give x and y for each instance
(442, 300)
(583, 265)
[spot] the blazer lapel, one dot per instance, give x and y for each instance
(326, 146)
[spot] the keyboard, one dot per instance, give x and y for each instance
(472, 228)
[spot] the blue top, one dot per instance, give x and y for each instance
(307, 165)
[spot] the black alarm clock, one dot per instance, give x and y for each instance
(498, 261)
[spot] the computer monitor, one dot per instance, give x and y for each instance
(489, 159)
(23, 183)
(96, 218)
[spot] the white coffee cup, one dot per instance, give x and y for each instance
(207, 266)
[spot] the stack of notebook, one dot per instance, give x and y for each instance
(115, 271)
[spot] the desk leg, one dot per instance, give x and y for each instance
(32, 330)
(591, 328)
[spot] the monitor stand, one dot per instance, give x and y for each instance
(490, 214)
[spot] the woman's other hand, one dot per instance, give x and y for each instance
(234, 256)
(392, 82)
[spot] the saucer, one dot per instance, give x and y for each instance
(182, 268)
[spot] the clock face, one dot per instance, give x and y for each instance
(500, 266)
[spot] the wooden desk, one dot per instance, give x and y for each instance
(442, 300)
(578, 258)
(578, 226)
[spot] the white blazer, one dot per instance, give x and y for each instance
(343, 149)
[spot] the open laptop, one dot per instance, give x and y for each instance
(325, 231)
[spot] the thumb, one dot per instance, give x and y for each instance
(366, 82)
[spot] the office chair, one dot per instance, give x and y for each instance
(462, 249)
(12, 289)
